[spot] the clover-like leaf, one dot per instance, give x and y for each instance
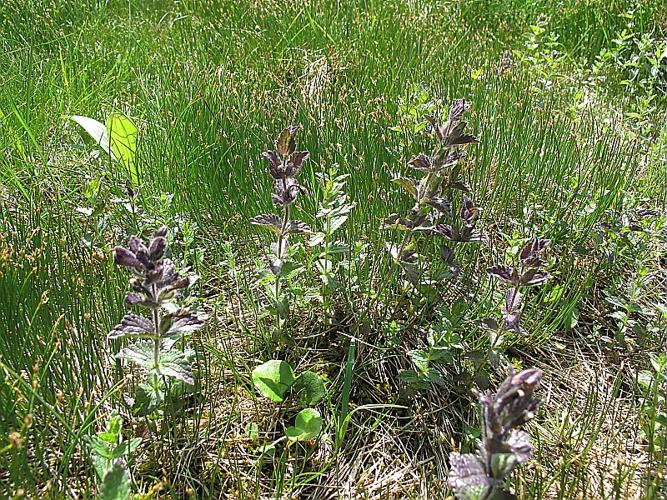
(307, 425)
(310, 388)
(273, 379)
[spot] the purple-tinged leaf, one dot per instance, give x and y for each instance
(505, 273)
(445, 230)
(124, 257)
(181, 321)
(456, 137)
(468, 477)
(286, 142)
(468, 210)
(270, 221)
(132, 325)
(134, 244)
(447, 255)
(512, 299)
(512, 320)
(533, 276)
(435, 126)
(531, 253)
(133, 298)
(157, 248)
(519, 443)
(458, 109)
(442, 205)
(468, 233)
(286, 190)
(421, 162)
(276, 167)
(161, 232)
(295, 162)
(178, 284)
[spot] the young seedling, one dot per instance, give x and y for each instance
(481, 476)
(110, 455)
(528, 272)
(159, 340)
(275, 380)
(432, 194)
(284, 163)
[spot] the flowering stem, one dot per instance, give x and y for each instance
(156, 340)
(279, 255)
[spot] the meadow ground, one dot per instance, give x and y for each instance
(567, 99)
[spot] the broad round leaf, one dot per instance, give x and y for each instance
(307, 425)
(273, 379)
(310, 388)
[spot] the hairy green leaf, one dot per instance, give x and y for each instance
(116, 484)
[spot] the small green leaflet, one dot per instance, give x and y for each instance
(117, 138)
(310, 388)
(307, 425)
(123, 139)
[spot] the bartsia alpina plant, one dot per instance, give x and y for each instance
(284, 164)
(529, 272)
(159, 340)
(481, 476)
(433, 195)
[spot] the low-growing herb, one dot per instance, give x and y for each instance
(529, 271)
(481, 476)
(442, 174)
(284, 164)
(159, 340)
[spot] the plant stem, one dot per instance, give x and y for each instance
(156, 340)
(279, 252)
